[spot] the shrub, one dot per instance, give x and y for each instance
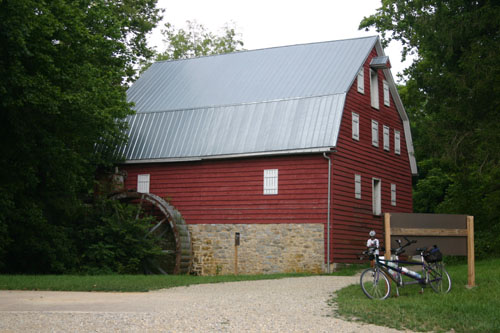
(110, 239)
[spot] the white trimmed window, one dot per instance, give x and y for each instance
(387, 98)
(357, 186)
(386, 138)
(361, 80)
(374, 88)
(143, 183)
(355, 126)
(377, 196)
(375, 133)
(397, 143)
(270, 181)
(393, 194)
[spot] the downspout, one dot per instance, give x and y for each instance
(328, 212)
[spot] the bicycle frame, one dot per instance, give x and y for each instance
(387, 270)
(383, 264)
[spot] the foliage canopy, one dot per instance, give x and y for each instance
(197, 41)
(63, 65)
(453, 97)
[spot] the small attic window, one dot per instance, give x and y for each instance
(361, 80)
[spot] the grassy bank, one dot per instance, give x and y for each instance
(122, 283)
(463, 310)
(132, 283)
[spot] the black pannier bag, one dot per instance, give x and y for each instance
(433, 255)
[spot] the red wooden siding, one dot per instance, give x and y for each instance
(231, 190)
(353, 218)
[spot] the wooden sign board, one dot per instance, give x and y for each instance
(449, 232)
(453, 234)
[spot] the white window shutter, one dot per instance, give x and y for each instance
(387, 99)
(355, 126)
(393, 194)
(361, 80)
(374, 88)
(386, 138)
(397, 143)
(377, 196)
(270, 181)
(375, 133)
(143, 183)
(357, 186)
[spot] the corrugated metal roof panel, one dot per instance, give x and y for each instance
(251, 76)
(291, 124)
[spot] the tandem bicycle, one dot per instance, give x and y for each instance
(375, 281)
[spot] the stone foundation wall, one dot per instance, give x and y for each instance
(263, 249)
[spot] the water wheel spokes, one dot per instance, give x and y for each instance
(168, 227)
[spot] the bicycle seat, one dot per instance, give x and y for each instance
(421, 249)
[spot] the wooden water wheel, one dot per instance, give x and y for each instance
(171, 229)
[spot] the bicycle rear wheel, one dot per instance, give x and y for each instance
(375, 284)
(438, 278)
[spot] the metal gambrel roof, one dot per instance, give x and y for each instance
(251, 76)
(286, 125)
(279, 100)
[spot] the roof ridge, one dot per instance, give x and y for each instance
(265, 48)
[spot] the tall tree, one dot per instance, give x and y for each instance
(197, 41)
(63, 64)
(453, 99)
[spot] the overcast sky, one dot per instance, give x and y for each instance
(270, 23)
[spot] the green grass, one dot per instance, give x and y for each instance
(349, 270)
(134, 283)
(122, 283)
(463, 309)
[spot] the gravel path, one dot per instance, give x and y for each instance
(285, 305)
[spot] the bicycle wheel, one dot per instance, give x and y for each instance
(438, 278)
(375, 284)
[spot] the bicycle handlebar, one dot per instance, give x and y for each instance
(400, 249)
(397, 251)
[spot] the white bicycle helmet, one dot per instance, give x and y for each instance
(372, 233)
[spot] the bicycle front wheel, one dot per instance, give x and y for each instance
(375, 284)
(438, 278)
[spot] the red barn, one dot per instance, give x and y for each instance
(299, 149)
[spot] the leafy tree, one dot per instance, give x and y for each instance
(197, 41)
(63, 64)
(453, 98)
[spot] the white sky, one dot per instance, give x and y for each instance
(269, 23)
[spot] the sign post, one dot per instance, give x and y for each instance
(387, 222)
(470, 252)
(236, 244)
